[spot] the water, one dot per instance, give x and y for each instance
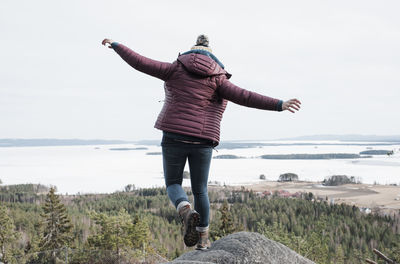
(97, 169)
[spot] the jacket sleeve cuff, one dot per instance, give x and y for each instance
(279, 106)
(114, 45)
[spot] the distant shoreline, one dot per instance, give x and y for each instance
(57, 142)
(304, 156)
(348, 137)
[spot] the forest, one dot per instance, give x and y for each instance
(141, 226)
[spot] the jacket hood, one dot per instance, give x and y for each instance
(202, 65)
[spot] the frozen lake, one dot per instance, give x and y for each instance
(96, 168)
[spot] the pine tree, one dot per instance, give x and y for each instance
(118, 235)
(32, 247)
(140, 234)
(113, 236)
(226, 223)
(339, 256)
(8, 235)
(56, 224)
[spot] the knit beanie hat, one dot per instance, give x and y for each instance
(202, 43)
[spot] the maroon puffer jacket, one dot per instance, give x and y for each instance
(196, 93)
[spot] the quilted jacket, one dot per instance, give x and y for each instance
(197, 89)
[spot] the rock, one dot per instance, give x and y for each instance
(243, 247)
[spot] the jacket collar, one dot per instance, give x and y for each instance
(207, 53)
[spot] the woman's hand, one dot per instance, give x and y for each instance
(291, 105)
(107, 41)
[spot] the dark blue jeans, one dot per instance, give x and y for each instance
(175, 153)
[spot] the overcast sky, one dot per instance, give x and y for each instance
(340, 58)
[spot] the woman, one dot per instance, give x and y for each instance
(197, 89)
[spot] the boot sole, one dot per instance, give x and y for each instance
(202, 248)
(191, 236)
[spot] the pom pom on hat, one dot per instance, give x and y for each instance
(202, 40)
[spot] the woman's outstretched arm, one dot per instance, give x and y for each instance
(233, 93)
(158, 69)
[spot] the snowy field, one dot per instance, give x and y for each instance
(97, 169)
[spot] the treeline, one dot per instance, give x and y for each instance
(314, 156)
(141, 225)
(23, 193)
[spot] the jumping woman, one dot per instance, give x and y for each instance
(197, 89)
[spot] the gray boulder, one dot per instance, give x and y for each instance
(243, 247)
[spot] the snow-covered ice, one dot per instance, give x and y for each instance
(98, 169)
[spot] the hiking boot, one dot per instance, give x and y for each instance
(204, 242)
(190, 219)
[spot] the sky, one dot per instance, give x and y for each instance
(341, 59)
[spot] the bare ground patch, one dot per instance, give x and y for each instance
(385, 198)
